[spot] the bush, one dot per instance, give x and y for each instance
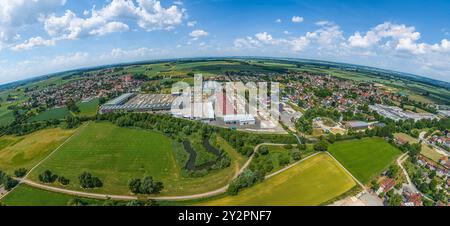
(88, 181)
(7, 182)
(321, 146)
(63, 181)
(296, 155)
(246, 179)
(264, 150)
(20, 172)
(146, 186)
(47, 177)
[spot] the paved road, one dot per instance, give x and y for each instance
(411, 185)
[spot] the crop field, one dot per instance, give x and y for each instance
(27, 151)
(55, 113)
(27, 196)
(426, 151)
(365, 158)
(6, 117)
(117, 155)
(88, 108)
(310, 183)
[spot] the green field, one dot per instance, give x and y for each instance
(426, 151)
(365, 158)
(88, 108)
(117, 155)
(27, 151)
(313, 182)
(28, 196)
(50, 114)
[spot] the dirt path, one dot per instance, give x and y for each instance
(43, 160)
(130, 197)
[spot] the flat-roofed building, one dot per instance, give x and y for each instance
(138, 103)
(242, 119)
(356, 125)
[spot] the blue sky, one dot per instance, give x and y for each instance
(45, 36)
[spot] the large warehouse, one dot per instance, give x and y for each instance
(130, 102)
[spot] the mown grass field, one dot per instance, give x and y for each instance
(309, 183)
(27, 196)
(50, 114)
(88, 108)
(27, 151)
(365, 158)
(116, 155)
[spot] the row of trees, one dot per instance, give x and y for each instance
(48, 177)
(247, 179)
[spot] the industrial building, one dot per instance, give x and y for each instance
(242, 119)
(130, 102)
(198, 111)
(397, 114)
(356, 125)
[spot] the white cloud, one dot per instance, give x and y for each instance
(148, 14)
(191, 23)
(444, 46)
(196, 34)
(33, 42)
(16, 14)
(297, 19)
(264, 37)
(278, 20)
(110, 27)
(245, 43)
(398, 36)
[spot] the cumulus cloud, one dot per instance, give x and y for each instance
(398, 36)
(15, 14)
(297, 19)
(191, 23)
(196, 34)
(33, 42)
(264, 37)
(148, 14)
(110, 27)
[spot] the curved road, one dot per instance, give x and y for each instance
(130, 197)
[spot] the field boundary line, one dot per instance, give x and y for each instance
(54, 151)
(290, 166)
(21, 180)
(354, 178)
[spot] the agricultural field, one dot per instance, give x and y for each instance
(27, 196)
(88, 108)
(365, 158)
(312, 182)
(27, 151)
(50, 114)
(116, 155)
(426, 151)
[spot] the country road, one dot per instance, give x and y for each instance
(411, 185)
(131, 197)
